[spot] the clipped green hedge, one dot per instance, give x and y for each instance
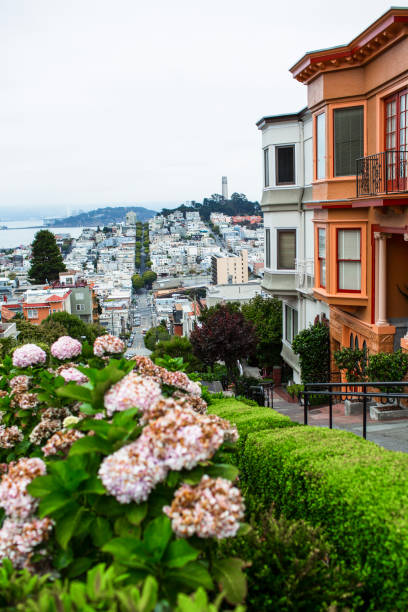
(356, 491)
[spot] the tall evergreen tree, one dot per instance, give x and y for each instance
(46, 259)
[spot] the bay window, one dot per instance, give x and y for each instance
(285, 165)
(322, 256)
(349, 260)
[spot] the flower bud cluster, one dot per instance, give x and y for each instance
(18, 539)
(71, 374)
(61, 441)
(108, 344)
(14, 498)
(20, 383)
(66, 348)
(10, 436)
(211, 509)
(177, 379)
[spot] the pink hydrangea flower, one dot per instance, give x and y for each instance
(66, 348)
(21, 382)
(28, 355)
(131, 473)
(10, 436)
(211, 509)
(19, 539)
(132, 391)
(14, 498)
(73, 375)
(108, 344)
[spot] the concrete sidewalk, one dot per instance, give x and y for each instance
(392, 435)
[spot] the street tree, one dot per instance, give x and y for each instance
(46, 258)
(225, 336)
(149, 277)
(137, 282)
(266, 316)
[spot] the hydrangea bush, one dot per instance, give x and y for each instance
(108, 460)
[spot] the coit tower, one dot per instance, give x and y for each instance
(224, 188)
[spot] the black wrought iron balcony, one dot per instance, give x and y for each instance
(382, 173)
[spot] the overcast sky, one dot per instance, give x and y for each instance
(147, 101)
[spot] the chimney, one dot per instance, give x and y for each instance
(224, 188)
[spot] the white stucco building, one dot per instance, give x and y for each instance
(287, 149)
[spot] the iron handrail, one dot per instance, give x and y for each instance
(325, 389)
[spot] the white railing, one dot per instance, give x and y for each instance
(305, 275)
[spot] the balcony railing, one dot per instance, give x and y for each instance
(305, 275)
(382, 173)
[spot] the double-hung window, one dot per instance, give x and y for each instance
(285, 165)
(268, 247)
(349, 259)
(291, 323)
(322, 256)
(348, 139)
(32, 313)
(286, 249)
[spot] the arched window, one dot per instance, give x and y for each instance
(365, 347)
(356, 343)
(351, 341)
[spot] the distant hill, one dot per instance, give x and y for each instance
(238, 204)
(103, 216)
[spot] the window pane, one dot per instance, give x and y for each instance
(322, 242)
(285, 167)
(321, 145)
(266, 167)
(268, 248)
(286, 249)
(288, 323)
(350, 275)
(295, 322)
(348, 139)
(349, 244)
(322, 272)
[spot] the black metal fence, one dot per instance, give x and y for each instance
(385, 172)
(262, 394)
(335, 392)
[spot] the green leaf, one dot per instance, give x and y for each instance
(76, 392)
(122, 419)
(193, 476)
(157, 535)
(66, 526)
(79, 566)
(179, 553)
(193, 575)
(90, 444)
(53, 502)
(228, 572)
(101, 531)
(222, 470)
(108, 506)
(43, 485)
(63, 558)
(70, 472)
(93, 485)
(136, 513)
(148, 599)
(100, 427)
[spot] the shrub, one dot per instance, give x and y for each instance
(388, 367)
(355, 490)
(312, 346)
(290, 566)
(352, 362)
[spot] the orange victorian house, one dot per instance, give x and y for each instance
(358, 95)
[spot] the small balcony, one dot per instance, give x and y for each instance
(382, 173)
(305, 275)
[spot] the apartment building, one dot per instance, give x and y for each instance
(229, 269)
(287, 146)
(358, 98)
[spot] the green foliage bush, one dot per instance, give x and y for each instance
(388, 367)
(352, 362)
(290, 566)
(312, 346)
(354, 490)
